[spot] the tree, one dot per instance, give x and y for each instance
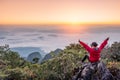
(60, 67)
(115, 51)
(10, 57)
(111, 53)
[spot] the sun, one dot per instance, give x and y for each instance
(74, 21)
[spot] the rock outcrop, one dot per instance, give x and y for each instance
(93, 71)
(33, 57)
(49, 55)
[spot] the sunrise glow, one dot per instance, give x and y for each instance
(56, 12)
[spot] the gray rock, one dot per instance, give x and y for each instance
(93, 71)
(34, 55)
(49, 55)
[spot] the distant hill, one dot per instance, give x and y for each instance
(25, 51)
(49, 55)
(34, 55)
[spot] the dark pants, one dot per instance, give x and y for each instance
(85, 57)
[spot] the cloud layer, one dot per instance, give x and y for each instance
(50, 38)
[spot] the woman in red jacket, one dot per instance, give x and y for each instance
(94, 51)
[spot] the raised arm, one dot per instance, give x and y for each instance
(104, 43)
(85, 46)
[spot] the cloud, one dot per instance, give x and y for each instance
(41, 37)
(51, 38)
(12, 39)
(49, 30)
(53, 35)
(2, 37)
(104, 29)
(31, 34)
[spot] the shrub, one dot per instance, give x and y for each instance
(111, 53)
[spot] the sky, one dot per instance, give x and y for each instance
(59, 11)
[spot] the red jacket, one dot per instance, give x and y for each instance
(94, 54)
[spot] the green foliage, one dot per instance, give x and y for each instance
(112, 53)
(9, 61)
(11, 58)
(14, 74)
(115, 51)
(59, 67)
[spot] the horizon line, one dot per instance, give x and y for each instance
(65, 23)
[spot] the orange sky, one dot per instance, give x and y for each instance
(59, 11)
